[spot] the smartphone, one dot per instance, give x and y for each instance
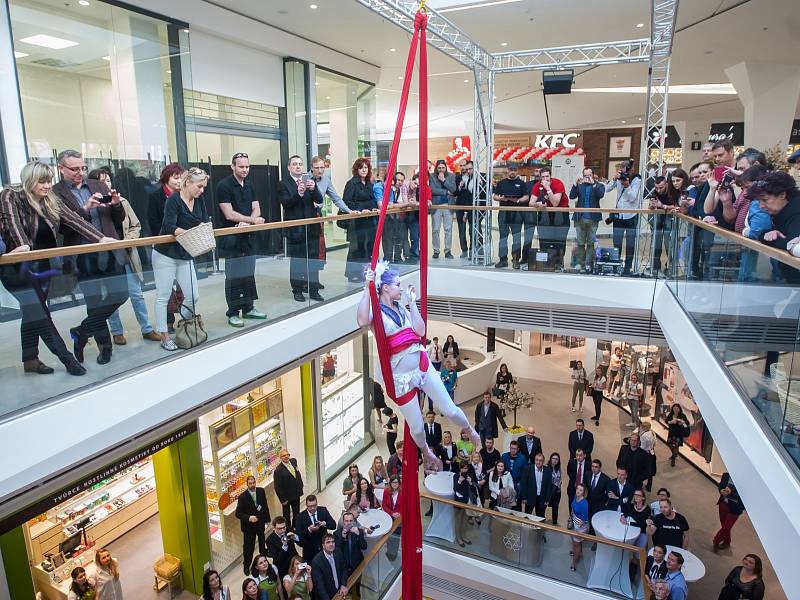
(306, 177)
(719, 173)
(106, 199)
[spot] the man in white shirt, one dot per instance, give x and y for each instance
(626, 225)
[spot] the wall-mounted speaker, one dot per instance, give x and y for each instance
(558, 82)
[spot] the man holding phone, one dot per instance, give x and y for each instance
(102, 274)
(351, 542)
(587, 193)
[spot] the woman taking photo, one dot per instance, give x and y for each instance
(480, 480)
(32, 217)
(378, 476)
(266, 576)
(358, 197)
(364, 496)
(553, 469)
(183, 210)
(579, 521)
(597, 385)
(501, 487)
(463, 484)
(213, 588)
(297, 582)
(744, 581)
(677, 430)
(81, 588)
(503, 381)
(106, 579)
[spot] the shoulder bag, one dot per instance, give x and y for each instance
(198, 240)
(190, 332)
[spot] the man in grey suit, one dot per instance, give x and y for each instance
(325, 185)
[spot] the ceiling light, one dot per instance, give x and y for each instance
(312, 6)
(466, 81)
(48, 41)
(392, 49)
(327, 97)
(400, 77)
(169, 72)
(20, 54)
(623, 120)
(504, 44)
(185, 31)
(316, 83)
(477, 5)
(639, 25)
(83, 2)
(108, 58)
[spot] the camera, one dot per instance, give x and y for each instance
(626, 167)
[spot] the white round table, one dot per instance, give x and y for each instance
(693, 568)
(376, 517)
(443, 522)
(610, 567)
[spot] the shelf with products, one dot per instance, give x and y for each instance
(344, 397)
(339, 382)
(343, 443)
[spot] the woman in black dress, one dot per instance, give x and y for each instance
(450, 346)
(744, 581)
(390, 427)
(358, 197)
(503, 381)
(677, 430)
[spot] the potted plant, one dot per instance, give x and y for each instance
(513, 400)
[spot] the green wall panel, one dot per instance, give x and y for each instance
(17, 567)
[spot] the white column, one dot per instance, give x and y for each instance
(10, 108)
(769, 93)
(344, 134)
(590, 356)
(692, 131)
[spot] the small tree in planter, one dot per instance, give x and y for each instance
(513, 400)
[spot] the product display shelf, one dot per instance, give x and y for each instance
(339, 382)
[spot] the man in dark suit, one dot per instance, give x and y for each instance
(619, 491)
(281, 545)
(288, 486)
(351, 542)
(529, 445)
(598, 481)
(579, 470)
(433, 431)
(536, 487)
(311, 526)
(636, 461)
(487, 414)
(327, 570)
(253, 515)
(102, 274)
(580, 438)
(300, 199)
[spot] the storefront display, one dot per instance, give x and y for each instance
(676, 390)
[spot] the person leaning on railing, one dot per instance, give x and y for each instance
(778, 195)
(32, 218)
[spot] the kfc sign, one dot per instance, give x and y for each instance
(555, 140)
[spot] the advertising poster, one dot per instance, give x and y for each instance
(677, 390)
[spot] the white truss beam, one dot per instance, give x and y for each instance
(586, 55)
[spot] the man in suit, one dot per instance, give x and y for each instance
(618, 491)
(281, 545)
(102, 274)
(597, 490)
(351, 542)
(580, 438)
(487, 414)
(730, 508)
(253, 515)
(327, 570)
(433, 431)
(300, 199)
(579, 470)
(536, 487)
(529, 444)
(311, 526)
(656, 565)
(288, 486)
(635, 461)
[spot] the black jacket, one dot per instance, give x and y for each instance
(450, 347)
(598, 496)
(441, 452)
(636, 462)
(435, 438)
(494, 415)
(623, 498)
(312, 541)
(322, 576)
(282, 558)
(787, 221)
(246, 508)
(354, 554)
(587, 443)
(527, 486)
(661, 571)
(572, 474)
(523, 447)
(597, 192)
(733, 500)
(299, 207)
(155, 210)
(288, 488)
(358, 196)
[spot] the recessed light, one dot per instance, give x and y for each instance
(504, 44)
(466, 81)
(169, 72)
(312, 6)
(316, 83)
(108, 58)
(48, 41)
(83, 2)
(400, 77)
(639, 25)
(20, 54)
(327, 97)
(623, 120)
(185, 31)
(392, 49)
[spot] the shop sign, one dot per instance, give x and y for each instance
(555, 140)
(794, 138)
(671, 138)
(81, 486)
(727, 131)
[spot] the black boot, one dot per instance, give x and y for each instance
(79, 341)
(73, 366)
(105, 354)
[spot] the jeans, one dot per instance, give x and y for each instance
(626, 228)
(442, 216)
(633, 404)
(166, 270)
(585, 230)
(240, 284)
(509, 224)
(137, 302)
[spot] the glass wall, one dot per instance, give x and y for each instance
(103, 80)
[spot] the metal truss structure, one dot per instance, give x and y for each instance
(452, 41)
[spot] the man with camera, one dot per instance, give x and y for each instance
(512, 192)
(281, 545)
(586, 192)
(351, 543)
(659, 198)
(722, 190)
(626, 225)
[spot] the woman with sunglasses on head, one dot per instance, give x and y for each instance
(32, 218)
(183, 210)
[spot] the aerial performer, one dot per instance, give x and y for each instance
(411, 369)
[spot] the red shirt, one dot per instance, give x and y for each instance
(556, 186)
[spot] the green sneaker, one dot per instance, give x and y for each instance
(235, 321)
(254, 313)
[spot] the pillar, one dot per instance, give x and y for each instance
(769, 93)
(15, 563)
(180, 487)
(531, 343)
(307, 387)
(343, 133)
(692, 131)
(590, 356)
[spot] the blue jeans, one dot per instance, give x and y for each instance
(413, 234)
(138, 303)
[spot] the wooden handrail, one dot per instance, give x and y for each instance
(351, 581)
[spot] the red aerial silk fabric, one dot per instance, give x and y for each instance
(409, 507)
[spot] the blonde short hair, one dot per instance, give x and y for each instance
(193, 175)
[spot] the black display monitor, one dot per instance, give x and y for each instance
(68, 545)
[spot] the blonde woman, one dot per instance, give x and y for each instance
(647, 442)
(378, 475)
(297, 583)
(107, 576)
(32, 217)
(182, 211)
